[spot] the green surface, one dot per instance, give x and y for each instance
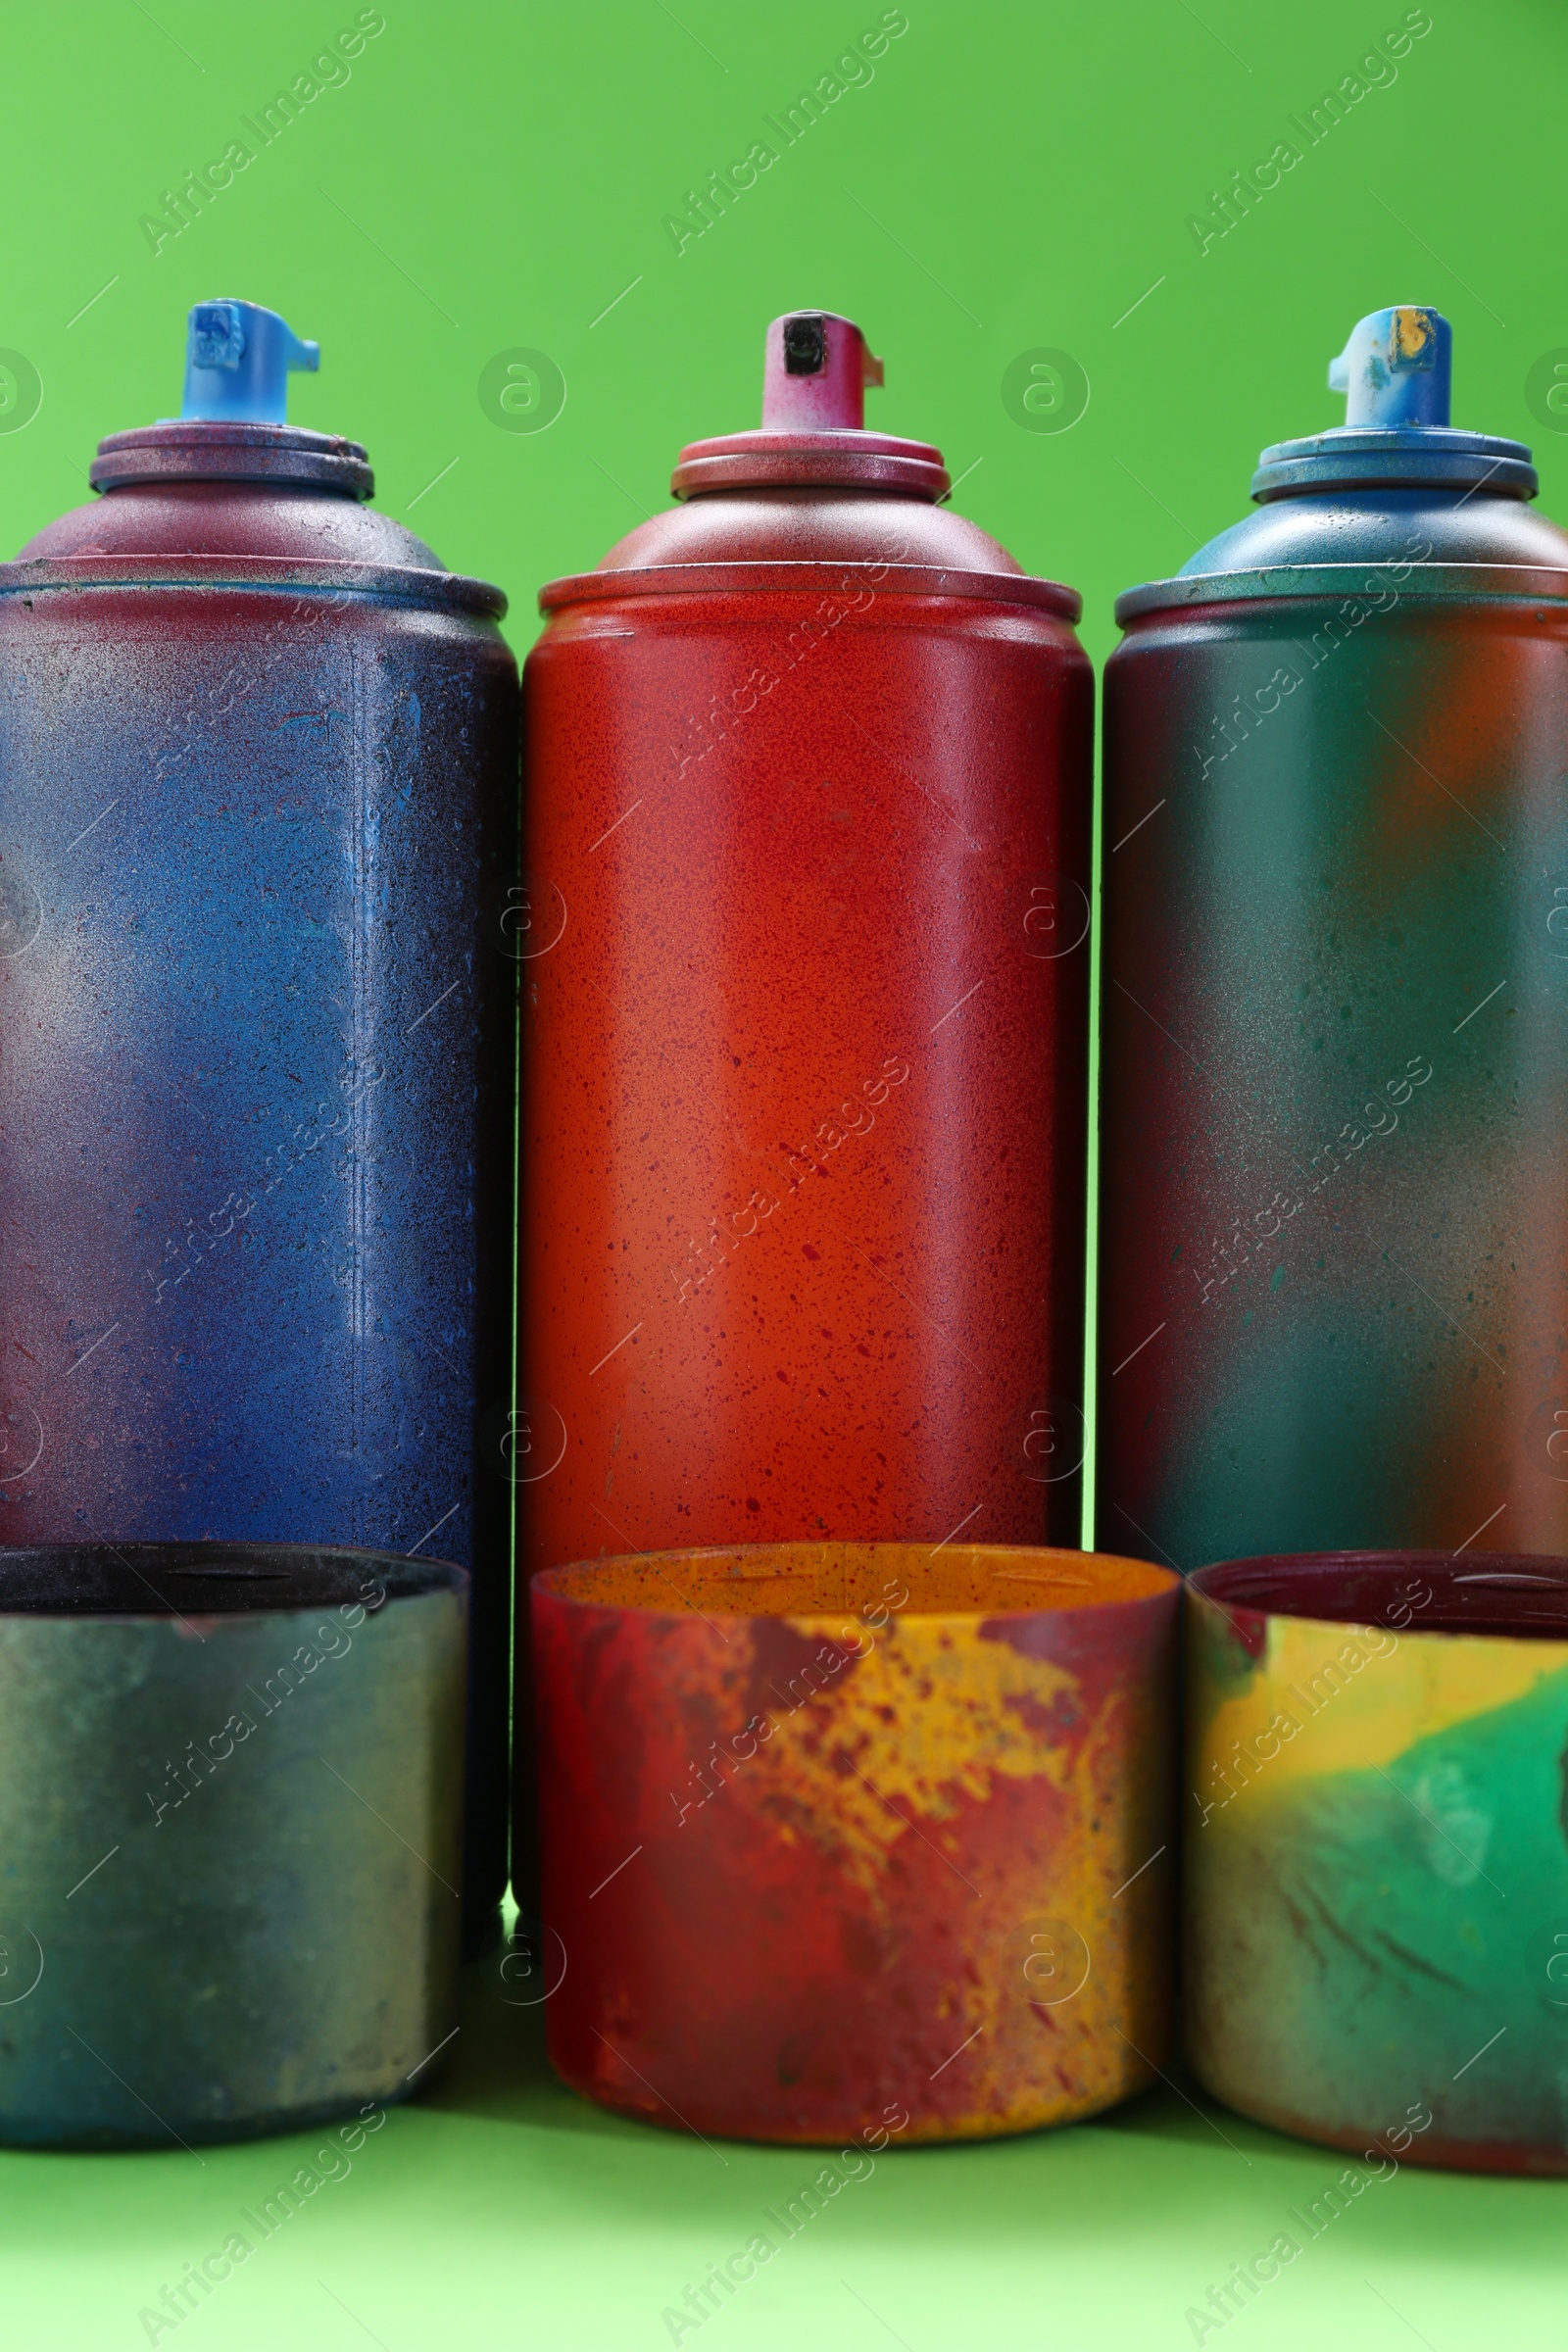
(502, 2209)
(1011, 181)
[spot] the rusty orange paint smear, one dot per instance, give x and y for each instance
(909, 1848)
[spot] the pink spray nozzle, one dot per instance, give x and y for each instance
(813, 435)
(815, 373)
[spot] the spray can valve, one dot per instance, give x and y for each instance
(238, 362)
(815, 373)
(1396, 368)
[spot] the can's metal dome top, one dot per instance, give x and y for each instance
(1396, 502)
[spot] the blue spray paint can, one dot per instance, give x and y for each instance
(258, 857)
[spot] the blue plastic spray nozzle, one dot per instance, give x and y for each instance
(1396, 368)
(238, 362)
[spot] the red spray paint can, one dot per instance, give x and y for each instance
(806, 1010)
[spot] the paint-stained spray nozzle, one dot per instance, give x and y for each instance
(815, 374)
(238, 362)
(1397, 367)
(816, 370)
(1397, 374)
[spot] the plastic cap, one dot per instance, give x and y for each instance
(815, 374)
(1396, 368)
(238, 362)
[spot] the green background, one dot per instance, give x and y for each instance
(1013, 177)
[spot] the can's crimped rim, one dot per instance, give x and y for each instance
(1427, 582)
(394, 583)
(1436, 1596)
(572, 1584)
(810, 578)
(204, 449)
(97, 1583)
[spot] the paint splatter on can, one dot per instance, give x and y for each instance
(1336, 962)
(1376, 1864)
(258, 832)
(832, 1831)
(806, 1015)
(231, 1815)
